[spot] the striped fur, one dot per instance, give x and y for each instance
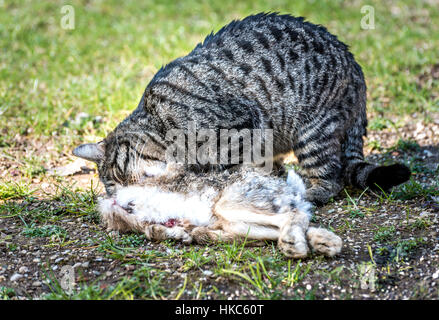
(267, 71)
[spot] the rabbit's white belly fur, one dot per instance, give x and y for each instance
(155, 205)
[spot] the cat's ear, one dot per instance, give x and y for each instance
(90, 151)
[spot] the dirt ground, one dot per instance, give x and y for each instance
(391, 242)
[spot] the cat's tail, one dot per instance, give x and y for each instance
(362, 174)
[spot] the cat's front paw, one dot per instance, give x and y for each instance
(318, 195)
(322, 190)
(324, 241)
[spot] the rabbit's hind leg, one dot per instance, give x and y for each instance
(292, 241)
(159, 232)
(206, 235)
(225, 231)
(324, 241)
(119, 220)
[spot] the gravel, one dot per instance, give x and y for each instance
(24, 261)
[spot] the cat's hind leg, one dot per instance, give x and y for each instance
(318, 149)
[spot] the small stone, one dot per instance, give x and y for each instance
(16, 277)
(85, 264)
(108, 273)
(98, 119)
(428, 153)
(80, 117)
(129, 267)
(36, 283)
(23, 269)
(36, 260)
(207, 273)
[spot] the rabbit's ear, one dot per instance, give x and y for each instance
(90, 151)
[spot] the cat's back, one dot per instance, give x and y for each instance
(251, 70)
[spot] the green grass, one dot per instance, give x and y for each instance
(143, 284)
(406, 145)
(195, 258)
(14, 190)
(102, 66)
(6, 293)
(67, 200)
(413, 189)
(420, 224)
(45, 231)
(353, 208)
(124, 248)
(65, 87)
(384, 233)
(400, 250)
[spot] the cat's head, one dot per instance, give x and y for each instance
(125, 158)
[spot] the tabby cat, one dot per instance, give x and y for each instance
(267, 71)
(242, 205)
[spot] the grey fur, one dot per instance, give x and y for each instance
(265, 71)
